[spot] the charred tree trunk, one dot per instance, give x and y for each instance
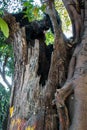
(34, 90)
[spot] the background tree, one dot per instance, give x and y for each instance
(6, 70)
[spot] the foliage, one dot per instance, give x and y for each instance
(49, 37)
(4, 27)
(4, 104)
(66, 22)
(6, 51)
(34, 11)
(1, 12)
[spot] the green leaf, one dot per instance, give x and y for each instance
(26, 3)
(43, 8)
(1, 12)
(4, 28)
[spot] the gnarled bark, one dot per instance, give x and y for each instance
(77, 79)
(31, 102)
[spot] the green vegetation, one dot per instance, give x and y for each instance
(66, 23)
(3, 25)
(34, 11)
(4, 28)
(6, 69)
(49, 37)
(4, 106)
(6, 57)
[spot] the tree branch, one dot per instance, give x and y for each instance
(5, 80)
(2, 73)
(52, 13)
(60, 96)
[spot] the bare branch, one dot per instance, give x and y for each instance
(5, 80)
(4, 64)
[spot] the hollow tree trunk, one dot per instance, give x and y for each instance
(31, 103)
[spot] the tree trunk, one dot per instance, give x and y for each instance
(76, 83)
(34, 90)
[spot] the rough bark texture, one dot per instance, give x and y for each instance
(32, 102)
(76, 83)
(31, 99)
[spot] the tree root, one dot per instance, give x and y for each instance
(60, 96)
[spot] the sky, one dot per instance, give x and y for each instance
(3, 83)
(37, 1)
(15, 4)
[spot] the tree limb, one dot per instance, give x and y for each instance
(2, 73)
(60, 96)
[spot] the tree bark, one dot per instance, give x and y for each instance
(76, 83)
(31, 103)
